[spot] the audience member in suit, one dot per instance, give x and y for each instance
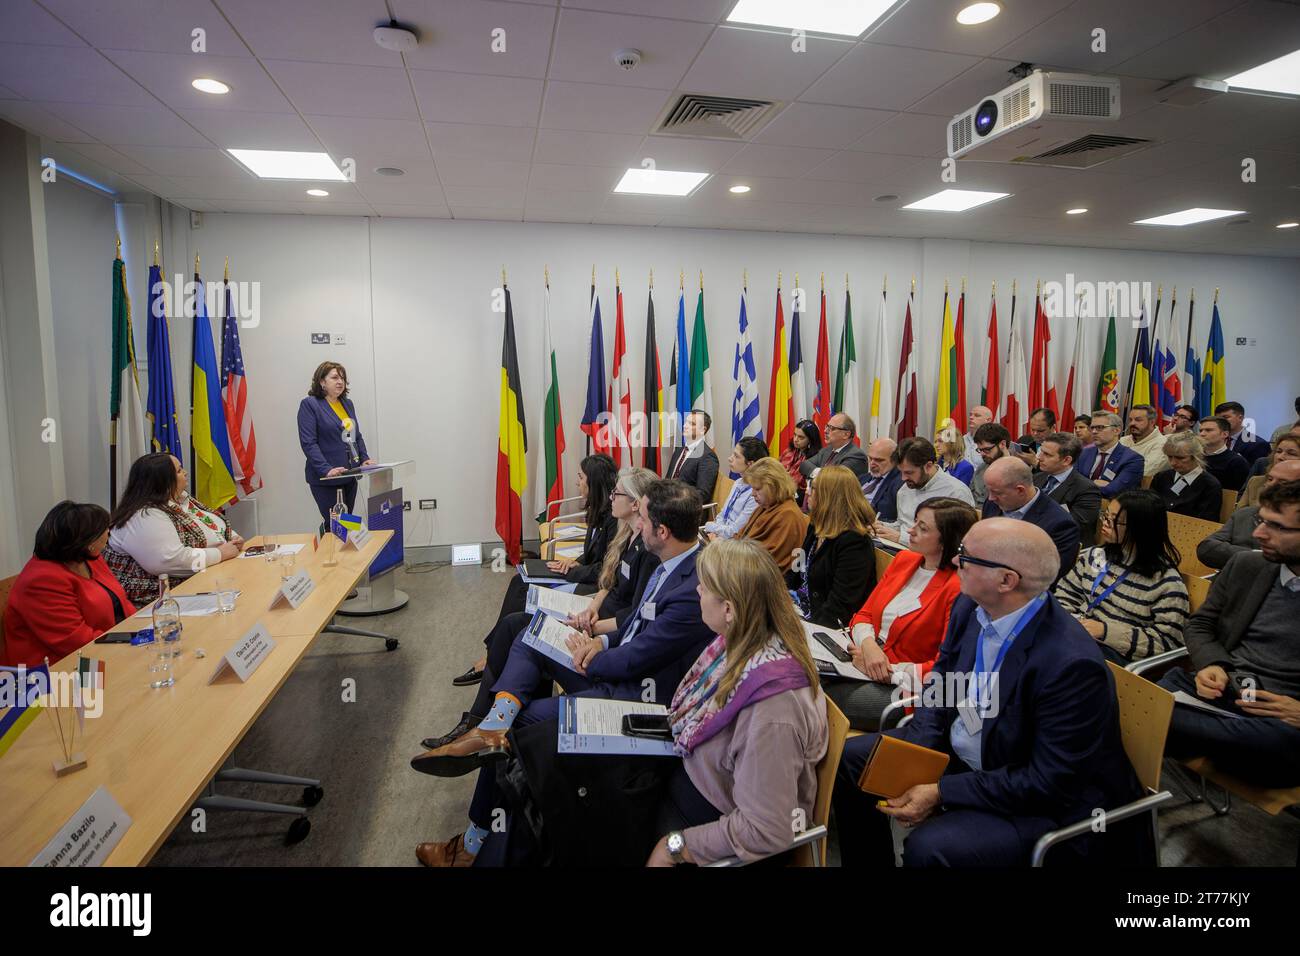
(695, 462)
(1083, 429)
(1106, 463)
(740, 503)
(1060, 480)
(900, 627)
(922, 480)
(1145, 439)
(979, 415)
(1244, 442)
(883, 480)
(1046, 756)
(1185, 486)
(951, 451)
(1238, 532)
(1184, 419)
(992, 441)
(1220, 461)
(838, 569)
(1243, 647)
(1042, 422)
(805, 443)
(1285, 448)
(65, 596)
(839, 448)
(777, 523)
(653, 649)
(326, 417)
(1012, 494)
(1128, 594)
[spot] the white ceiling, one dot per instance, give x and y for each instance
(543, 131)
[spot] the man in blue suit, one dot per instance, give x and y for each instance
(1110, 466)
(645, 659)
(1013, 494)
(1041, 751)
(884, 479)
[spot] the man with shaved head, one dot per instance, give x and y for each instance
(979, 415)
(883, 481)
(1237, 533)
(1033, 740)
(1013, 494)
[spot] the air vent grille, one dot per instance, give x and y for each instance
(961, 133)
(1088, 151)
(719, 117)
(1078, 99)
(1015, 105)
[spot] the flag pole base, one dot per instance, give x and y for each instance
(72, 765)
(371, 601)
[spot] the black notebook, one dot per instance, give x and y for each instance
(536, 568)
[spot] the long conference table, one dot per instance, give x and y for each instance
(155, 750)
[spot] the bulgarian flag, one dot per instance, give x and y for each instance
(550, 463)
(512, 444)
(780, 411)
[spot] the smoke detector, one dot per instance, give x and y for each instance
(396, 37)
(627, 58)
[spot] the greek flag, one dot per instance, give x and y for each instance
(745, 416)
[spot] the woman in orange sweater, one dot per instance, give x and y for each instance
(777, 523)
(904, 620)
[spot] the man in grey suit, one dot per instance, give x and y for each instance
(839, 449)
(1057, 477)
(1237, 533)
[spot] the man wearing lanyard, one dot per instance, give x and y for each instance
(1038, 749)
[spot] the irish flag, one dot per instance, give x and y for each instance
(512, 445)
(550, 463)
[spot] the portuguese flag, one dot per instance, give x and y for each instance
(1108, 383)
(550, 463)
(512, 445)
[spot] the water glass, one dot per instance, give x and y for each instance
(288, 561)
(269, 552)
(226, 595)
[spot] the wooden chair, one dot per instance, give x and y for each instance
(883, 558)
(810, 845)
(6, 585)
(1197, 590)
(1186, 533)
(1229, 505)
(1146, 480)
(1144, 713)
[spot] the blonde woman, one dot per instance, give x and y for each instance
(777, 523)
(838, 569)
(951, 448)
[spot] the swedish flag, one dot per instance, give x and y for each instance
(1214, 379)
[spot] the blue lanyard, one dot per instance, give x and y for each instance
(1025, 618)
(731, 500)
(1093, 602)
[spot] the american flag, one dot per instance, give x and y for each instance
(234, 395)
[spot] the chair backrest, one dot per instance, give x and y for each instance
(1197, 590)
(837, 731)
(1146, 480)
(6, 585)
(1186, 533)
(883, 557)
(1229, 505)
(722, 488)
(1144, 713)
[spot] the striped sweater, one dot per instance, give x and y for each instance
(1142, 617)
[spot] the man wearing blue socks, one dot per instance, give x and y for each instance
(646, 658)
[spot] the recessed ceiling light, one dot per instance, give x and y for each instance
(1276, 76)
(978, 13)
(659, 182)
(1077, 211)
(849, 19)
(283, 164)
(1188, 217)
(1287, 225)
(955, 200)
(886, 197)
(206, 84)
(389, 171)
(317, 192)
(740, 188)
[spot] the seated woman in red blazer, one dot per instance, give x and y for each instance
(906, 616)
(66, 596)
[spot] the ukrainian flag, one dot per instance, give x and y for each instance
(20, 689)
(1214, 380)
(214, 473)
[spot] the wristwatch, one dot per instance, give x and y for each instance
(676, 846)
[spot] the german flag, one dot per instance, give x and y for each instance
(512, 444)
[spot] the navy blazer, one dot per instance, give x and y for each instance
(1125, 464)
(321, 436)
(885, 498)
(1252, 450)
(1052, 518)
(1054, 747)
(662, 650)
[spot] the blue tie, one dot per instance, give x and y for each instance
(649, 590)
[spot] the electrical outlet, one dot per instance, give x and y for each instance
(340, 338)
(428, 504)
(406, 506)
(320, 338)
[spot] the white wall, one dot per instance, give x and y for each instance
(414, 299)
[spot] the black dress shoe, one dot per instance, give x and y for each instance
(468, 679)
(467, 723)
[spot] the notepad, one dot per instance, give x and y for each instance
(592, 725)
(549, 635)
(895, 766)
(554, 602)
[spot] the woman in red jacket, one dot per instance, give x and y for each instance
(904, 620)
(66, 596)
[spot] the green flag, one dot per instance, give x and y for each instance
(701, 383)
(845, 396)
(1108, 383)
(126, 413)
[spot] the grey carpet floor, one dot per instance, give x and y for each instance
(376, 808)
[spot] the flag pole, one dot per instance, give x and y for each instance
(112, 422)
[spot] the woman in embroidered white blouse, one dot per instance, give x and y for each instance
(162, 528)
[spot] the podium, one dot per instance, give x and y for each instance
(383, 511)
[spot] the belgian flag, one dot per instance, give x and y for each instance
(512, 444)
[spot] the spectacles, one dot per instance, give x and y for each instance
(836, 428)
(1108, 518)
(620, 494)
(964, 558)
(1100, 428)
(1274, 526)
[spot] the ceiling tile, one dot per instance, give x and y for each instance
(110, 158)
(789, 161)
(886, 77)
(237, 129)
(585, 178)
(981, 80)
(586, 106)
(38, 119)
(476, 140)
(813, 124)
(68, 74)
(22, 21)
(911, 134)
(335, 209)
(339, 90)
(858, 167)
(741, 61)
(586, 148)
(164, 26)
(1239, 39)
(488, 213)
(325, 31)
(485, 197)
(585, 43)
(680, 152)
(705, 11)
(171, 161)
(468, 98)
(397, 190)
(934, 26)
(127, 125)
(168, 77)
(375, 138)
(432, 211)
(457, 35)
(574, 202)
(463, 171)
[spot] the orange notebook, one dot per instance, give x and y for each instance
(896, 765)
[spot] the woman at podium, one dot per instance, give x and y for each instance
(330, 437)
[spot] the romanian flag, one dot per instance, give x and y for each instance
(550, 463)
(780, 403)
(512, 444)
(946, 399)
(20, 691)
(653, 403)
(1214, 379)
(214, 470)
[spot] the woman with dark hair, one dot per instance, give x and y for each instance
(330, 438)
(157, 528)
(903, 622)
(740, 503)
(1127, 593)
(838, 569)
(804, 443)
(65, 596)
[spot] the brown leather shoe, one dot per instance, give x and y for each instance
(469, 751)
(451, 853)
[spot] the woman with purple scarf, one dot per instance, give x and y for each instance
(748, 719)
